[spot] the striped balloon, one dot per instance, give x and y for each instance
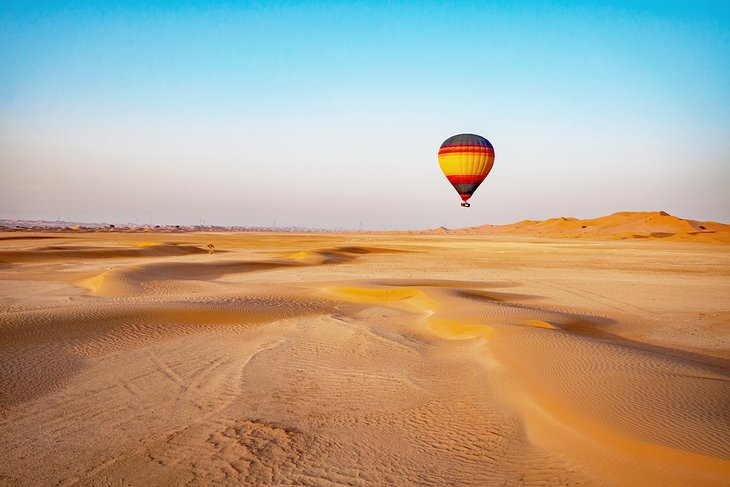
(466, 159)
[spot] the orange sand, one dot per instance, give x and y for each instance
(622, 225)
(367, 359)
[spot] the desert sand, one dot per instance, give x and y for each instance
(363, 359)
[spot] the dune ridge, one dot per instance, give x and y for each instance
(173, 277)
(82, 252)
(620, 225)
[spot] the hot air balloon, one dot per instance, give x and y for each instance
(466, 159)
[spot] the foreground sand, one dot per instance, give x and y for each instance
(362, 360)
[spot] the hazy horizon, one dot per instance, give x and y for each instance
(330, 115)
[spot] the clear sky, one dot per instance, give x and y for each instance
(330, 114)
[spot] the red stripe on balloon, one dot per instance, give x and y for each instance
(466, 148)
(466, 178)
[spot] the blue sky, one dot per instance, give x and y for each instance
(330, 114)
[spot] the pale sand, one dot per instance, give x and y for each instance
(363, 360)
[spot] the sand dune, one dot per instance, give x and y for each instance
(621, 225)
(27, 237)
(336, 255)
(365, 360)
(79, 252)
(184, 277)
(167, 277)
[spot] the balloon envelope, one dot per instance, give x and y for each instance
(466, 159)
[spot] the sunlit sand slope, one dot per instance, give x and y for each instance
(363, 360)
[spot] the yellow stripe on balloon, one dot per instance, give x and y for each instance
(465, 163)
